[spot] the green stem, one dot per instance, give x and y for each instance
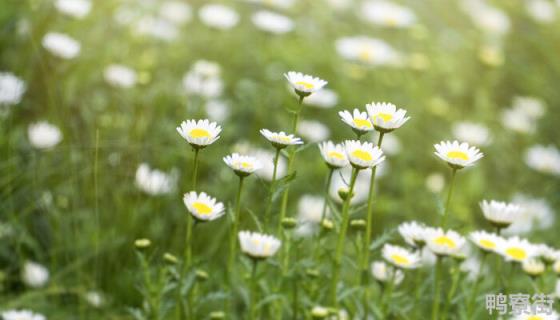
(341, 238)
(195, 168)
(417, 291)
(316, 251)
(367, 238)
(451, 293)
(253, 291)
(446, 209)
(437, 293)
(387, 296)
(272, 188)
(235, 228)
(474, 291)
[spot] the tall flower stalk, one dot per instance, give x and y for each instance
(272, 187)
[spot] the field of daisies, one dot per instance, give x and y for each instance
(279, 159)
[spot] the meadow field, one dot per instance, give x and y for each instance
(279, 159)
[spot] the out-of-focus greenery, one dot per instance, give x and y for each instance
(76, 209)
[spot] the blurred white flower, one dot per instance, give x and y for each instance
(176, 12)
(266, 158)
(384, 273)
(155, 27)
(367, 50)
(272, 22)
(217, 110)
(391, 144)
(258, 246)
(535, 214)
(500, 214)
(324, 98)
(544, 159)
(313, 131)
(537, 315)
(218, 16)
(242, 165)
(435, 182)
(542, 11)
(21, 315)
(120, 76)
(204, 79)
(154, 182)
(43, 135)
(517, 249)
(442, 242)
(310, 208)
(61, 45)
(280, 4)
(12, 89)
(334, 155)
(74, 8)
(516, 120)
(471, 132)
(532, 107)
(34, 275)
(471, 266)
(400, 257)
(388, 14)
(94, 298)
(428, 258)
(280, 139)
(487, 18)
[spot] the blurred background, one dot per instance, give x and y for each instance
(91, 93)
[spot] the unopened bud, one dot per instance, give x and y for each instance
(319, 312)
(142, 243)
(358, 224)
(327, 224)
(289, 223)
(201, 275)
(169, 258)
(343, 193)
(217, 315)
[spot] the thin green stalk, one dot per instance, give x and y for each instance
(417, 291)
(474, 290)
(437, 289)
(317, 250)
(386, 298)
(446, 209)
(451, 293)
(342, 237)
(234, 228)
(367, 238)
(272, 188)
(253, 291)
(195, 168)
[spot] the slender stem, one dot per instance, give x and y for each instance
(499, 274)
(437, 289)
(474, 290)
(367, 238)
(272, 188)
(446, 209)
(341, 238)
(316, 251)
(417, 287)
(195, 168)
(295, 289)
(234, 228)
(387, 296)
(253, 291)
(451, 293)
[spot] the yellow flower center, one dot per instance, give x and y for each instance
(384, 116)
(283, 139)
(202, 208)
(199, 133)
(391, 21)
(458, 155)
(365, 54)
(334, 154)
(244, 164)
(487, 244)
(362, 123)
(445, 241)
(362, 155)
(535, 318)
(516, 253)
(305, 84)
(400, 259)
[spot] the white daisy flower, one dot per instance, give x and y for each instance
(517, 249)
(486, 241)
(217, 110)
(435, 182)
(280, 139)
(334, 154)
(363, 155)
(176, 12)
(43, 135)
(544, 159)
(500, 214)
(444, 243)
(218, 16)
(279, 4)
(535, 214)
(531, 107)
(74, 8)
(266, 157)
(413, 233)
(384, 273)
(120, 76)
(156, 27)
(310, 208)
(556, 269)
(313, 131)
(358, 121)
(94, 298)
(272, 22)
(21, 315)
(61, 45)
(488, 19)
(12, 89)
(388, 14)
(204, 79)
(369, 51)
(535, 315)
(400, 257)
(203, 207)
(258, 246)
(34, 275)
(533, 267)
(541, 11)
(457, 155)
(155, 182)
(385, 116)
(199, 134)
(304, 84)
(242, 165)
(325, 98)
(472, 133)
(547, 253)
(516, 120)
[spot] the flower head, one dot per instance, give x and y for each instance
(61, 45)
(120, 76)
(44, 135)
(368, 51)
(74, 8)
(21, 315)
(486, 241)
(334, 154)
(444, 243)
(384, 273)
(413, 233)
(544, 159)
(500, 214)
(218, 16)
(272, 22)
(363, 155)
(34, 275)
(242, 165)
(457, 155)
(11, 89)
(517, 249)
(358, 121)
(400, 257)
(533, 267)
(203, 207)
(258, 246)
(154, 182)
(280, 139)
(199, 134)
(304, 84)
(385, 116)
(388, 14)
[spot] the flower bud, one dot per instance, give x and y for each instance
(343, 193)
(217, 315)
(142, 243)
(169, 258)
(319, 312)
(201, 275)
(289, 223)
(327, 224)
(358, 224)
